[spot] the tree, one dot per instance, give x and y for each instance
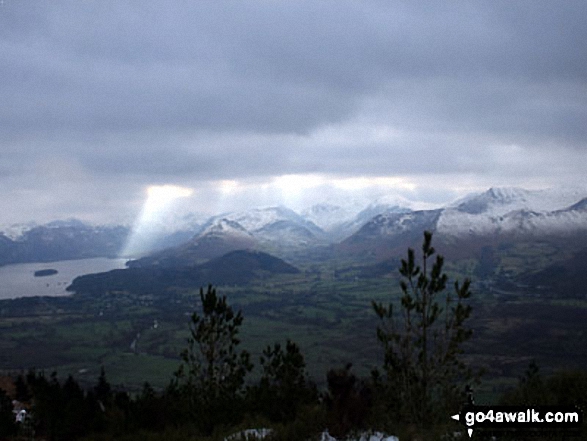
(562, 388)
(424, 373)
(102, 389)
(284, 386)
(22, 393)
(7, 424)
(348, 401)
(213, 370)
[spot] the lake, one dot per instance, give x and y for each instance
(18, 280)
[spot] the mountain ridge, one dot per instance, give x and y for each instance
(498, 211)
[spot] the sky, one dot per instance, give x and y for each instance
(254, 103)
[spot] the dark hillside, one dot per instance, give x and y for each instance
(234, 268)
(566, 279)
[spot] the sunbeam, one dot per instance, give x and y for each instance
(149, 226)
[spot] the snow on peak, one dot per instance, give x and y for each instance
(393, 200)
(507, 194)
(328, 216)
(497, 200)
(257, 218)
(515, 210)
(66, 223)
(14, 231)
(224, 226)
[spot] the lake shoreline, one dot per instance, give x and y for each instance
(18, 279)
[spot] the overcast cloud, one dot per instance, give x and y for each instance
(430, 100)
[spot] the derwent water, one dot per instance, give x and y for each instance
(19, 280)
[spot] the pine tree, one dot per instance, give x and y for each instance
(213, 370)
(284, 386)
(7, 424)
(102, 389)
(347, 400)
(424, 373)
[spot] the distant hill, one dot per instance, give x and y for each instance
(566, 278)
(497, 216)
(216, 239)
(389, 234)
(235, 268)
(240, 266)
(495, 219)
(267, 229)
(62, 241)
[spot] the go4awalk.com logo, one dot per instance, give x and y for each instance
(534, 418)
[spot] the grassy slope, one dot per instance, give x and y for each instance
(329, 317)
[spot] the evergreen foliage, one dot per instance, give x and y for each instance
(284, 386)
(424, 375)
(348, 401)
(22, 391)
(565, 388)
(213, 371)
(7, 423)
(421, 384)
(61, 411)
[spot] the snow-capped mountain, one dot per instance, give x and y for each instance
(501, 200)
(328, 216)
(499, 215)
(340, 221)
(497, 212)
(274, 224)
(258, 228)
(219, 236)
(265, 229)
(220, 227)
(497, 200)
(389, 232)
(61, 240)
(173, 228)
(14, 231)
(258, 218)
(166, 229)
(392, 224)
(514, 210)
(377, 208)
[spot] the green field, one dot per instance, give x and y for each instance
(137, 338)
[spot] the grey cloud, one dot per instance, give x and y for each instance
(271, 66)
(157, 92)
